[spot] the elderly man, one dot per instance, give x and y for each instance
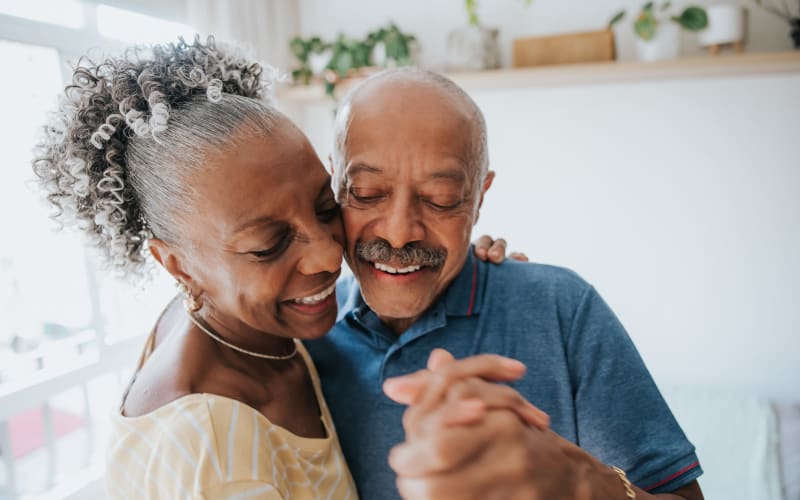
(410, 168)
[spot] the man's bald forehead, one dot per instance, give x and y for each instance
(408, 89)
(401, 86)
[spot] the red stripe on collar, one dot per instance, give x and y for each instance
(474, 286)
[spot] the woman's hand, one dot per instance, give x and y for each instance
(466, 388)
(487, 248)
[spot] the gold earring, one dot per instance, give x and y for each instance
(189, 300)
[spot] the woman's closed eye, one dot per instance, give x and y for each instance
(274, 251)
(328, 211)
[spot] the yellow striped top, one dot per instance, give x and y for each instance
(205, 446)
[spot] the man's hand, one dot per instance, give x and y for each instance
(467, 438)
(464, 384)
(487, 248)
(497, 458)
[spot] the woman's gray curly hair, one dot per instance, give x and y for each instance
(117, 157)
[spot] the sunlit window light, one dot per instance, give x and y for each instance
(127, 26)
(68, 13)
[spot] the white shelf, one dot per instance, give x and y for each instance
(595, 73)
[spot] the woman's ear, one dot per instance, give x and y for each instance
(170, 259)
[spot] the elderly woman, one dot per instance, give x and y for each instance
(177, 155)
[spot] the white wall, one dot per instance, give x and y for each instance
(431, 20)
(679, 200)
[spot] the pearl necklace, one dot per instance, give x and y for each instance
(207, 330)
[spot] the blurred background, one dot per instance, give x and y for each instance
(656, 157)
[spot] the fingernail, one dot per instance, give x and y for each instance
(513, 364)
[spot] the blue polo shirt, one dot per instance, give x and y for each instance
(583, 370)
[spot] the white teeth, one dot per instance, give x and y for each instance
(394, 270)
(316, 299)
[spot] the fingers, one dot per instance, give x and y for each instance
(439, 358)
(467, 402)
(487, 366)
(497, 252)
(440, 449)
(482, 246)
(463, 412)
(408, 389)
(518, 256)
(495, 397)
(452, 449)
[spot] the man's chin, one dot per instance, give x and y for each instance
(396, 318)
(394, 307)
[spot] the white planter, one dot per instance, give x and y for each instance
(666, 44)
(378, 56)
(318, 60)
(725, 25)
(473, 48)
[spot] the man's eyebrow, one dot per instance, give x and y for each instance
(359, 168)
(457, 175)
(450, 174)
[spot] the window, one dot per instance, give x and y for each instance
(69, 333)
(120, 24)
(67, 13)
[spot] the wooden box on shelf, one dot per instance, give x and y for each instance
(570, 48)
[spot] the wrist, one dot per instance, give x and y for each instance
(598, 481)
(623, 477)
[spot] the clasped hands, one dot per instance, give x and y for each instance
(469, 437)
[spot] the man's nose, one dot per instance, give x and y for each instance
(321, 254)
(401, 223)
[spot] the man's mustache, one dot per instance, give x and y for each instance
(412, 254)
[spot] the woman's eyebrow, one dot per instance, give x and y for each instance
(258, 221)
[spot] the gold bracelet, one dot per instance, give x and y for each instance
(625, 482)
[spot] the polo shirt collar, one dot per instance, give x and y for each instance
(463, 297)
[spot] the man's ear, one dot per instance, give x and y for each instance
(487, 183)
(170, 259)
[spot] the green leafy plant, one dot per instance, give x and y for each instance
(472, 10)
(349, 55)
(396, 43)
(302, 49)
(646, 23)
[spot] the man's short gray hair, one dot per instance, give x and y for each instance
(478, 156)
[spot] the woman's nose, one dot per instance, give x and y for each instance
(321, 254)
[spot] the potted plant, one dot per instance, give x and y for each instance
(658, 32)
(473, 47)
(784, 13)
(307, 52)
(391, 47)
(346, 57)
